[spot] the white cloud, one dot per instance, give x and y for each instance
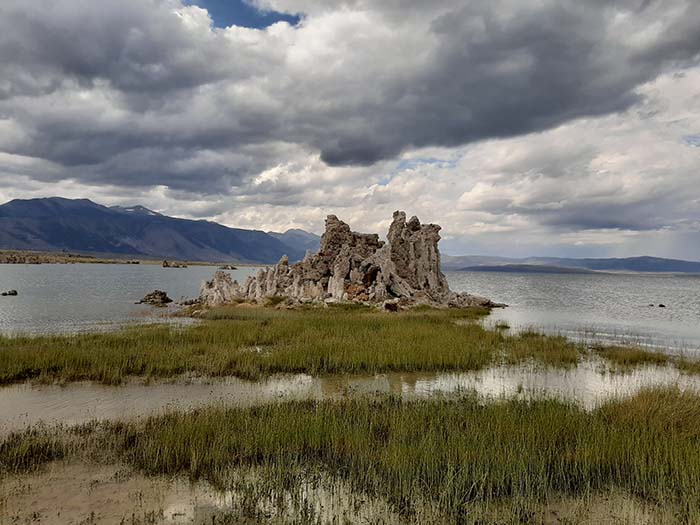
(521, 127)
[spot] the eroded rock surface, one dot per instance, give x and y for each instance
(356, 267)
(172, 264)
(156, 298)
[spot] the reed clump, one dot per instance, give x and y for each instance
(337, 340)
(625, 358)
(628, 357)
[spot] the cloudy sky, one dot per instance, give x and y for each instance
(546, 127)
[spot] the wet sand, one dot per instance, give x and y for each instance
(75, 493)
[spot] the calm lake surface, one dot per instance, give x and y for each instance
(613, 308)
(66, 298)
(607, 307)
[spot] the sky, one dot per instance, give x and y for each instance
(547, 127)
(225, 13)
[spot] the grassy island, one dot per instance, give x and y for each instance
(251, 342)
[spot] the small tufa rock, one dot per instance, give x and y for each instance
(10, 293)
(170, 264)
(220, 290)
(156, 298)
(391, 306)
(189, 302)
(354, 267)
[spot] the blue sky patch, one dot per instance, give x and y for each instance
(414, 163)
(692, 140)
(227, 13)
(409, 164)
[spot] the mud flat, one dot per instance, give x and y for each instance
(66, 492)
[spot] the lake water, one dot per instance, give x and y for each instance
(607, 307)
(613, 308)
(57, 298)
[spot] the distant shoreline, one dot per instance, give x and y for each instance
(11, 257)
(529, 268)
(558, 270)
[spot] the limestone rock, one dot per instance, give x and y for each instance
(220, 290)
(355, 267)
(171, 264)
(156, 298)
(391, 306)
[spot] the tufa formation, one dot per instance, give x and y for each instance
(156, 298)
(354, 267)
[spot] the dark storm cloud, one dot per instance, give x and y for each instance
(637, 216)
(502, 69)
(132, 44)
(148, 92)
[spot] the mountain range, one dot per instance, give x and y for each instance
(300, 239)
(83, 226)
(56, 224)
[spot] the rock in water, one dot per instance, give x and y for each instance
(355, 267)
(156, 298)
(170, 264)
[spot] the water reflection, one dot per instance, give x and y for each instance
(588, 384)
(90, 493)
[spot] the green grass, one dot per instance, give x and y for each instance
(254, 342)
(455, 455)
(626, 358)
(630, 357)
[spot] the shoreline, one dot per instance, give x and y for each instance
(29, 257)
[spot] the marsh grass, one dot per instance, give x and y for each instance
(457, 455)
(340, 339)
(629, 357)
(626, 358)
(24, 451)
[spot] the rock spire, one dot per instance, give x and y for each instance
(355, 267)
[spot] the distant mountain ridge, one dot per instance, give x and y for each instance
(83, 226)
(527, 268)
(642, 264)
(56, 224)
(300, 239)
